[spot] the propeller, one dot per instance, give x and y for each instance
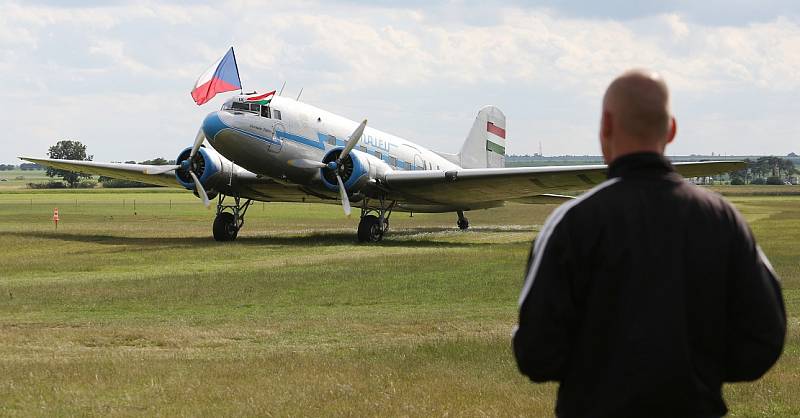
(160, 170)
(351, 143)
(303, 163)
(343, 194)
(200, 190)
(198, 141)
(186, 165)
(336, 166)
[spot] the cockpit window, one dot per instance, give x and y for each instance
(264, 111)
(240, 106)
(258, 109)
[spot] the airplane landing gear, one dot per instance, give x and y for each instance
(463, 222)
(372, 227)
(225, 228)
(229, 219)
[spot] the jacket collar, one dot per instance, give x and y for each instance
(641, 163)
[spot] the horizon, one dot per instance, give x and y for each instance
(790, 155)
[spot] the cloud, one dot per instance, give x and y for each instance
(707, 13)
(416, 69)
(114, 49)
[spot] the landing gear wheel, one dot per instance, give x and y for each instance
(225, 228)
(463, 222)
(370, 229)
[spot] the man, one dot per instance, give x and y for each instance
(646, 293)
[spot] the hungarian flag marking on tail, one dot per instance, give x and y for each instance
(263, 99)
(220, 77)
(496, 143)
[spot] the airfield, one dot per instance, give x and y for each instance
(131, 308)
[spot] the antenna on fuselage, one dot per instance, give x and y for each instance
(284, 85)
(298, 94)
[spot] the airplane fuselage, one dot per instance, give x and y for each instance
(264, 138)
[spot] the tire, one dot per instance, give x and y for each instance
(369, 229)
(225, 228)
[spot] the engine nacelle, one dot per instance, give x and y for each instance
(357, 170)
(206, 163)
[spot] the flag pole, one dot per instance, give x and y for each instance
(235, 64)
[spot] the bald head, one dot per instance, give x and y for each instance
(636, 115)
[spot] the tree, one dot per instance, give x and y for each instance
(68, 150)
(156, 161)
(787, 166)
(30, 167)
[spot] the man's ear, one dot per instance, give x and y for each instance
(673, 130)
(606, 125)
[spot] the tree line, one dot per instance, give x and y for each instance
(23, 167)
(75, 150)
(765, 170)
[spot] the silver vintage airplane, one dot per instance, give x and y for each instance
(289, 151)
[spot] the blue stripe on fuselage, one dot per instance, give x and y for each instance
(212, 125)
(300, 139)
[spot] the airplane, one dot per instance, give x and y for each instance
(284, 150)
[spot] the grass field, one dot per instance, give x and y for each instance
(127, 311)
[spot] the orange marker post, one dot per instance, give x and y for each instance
(55, 217)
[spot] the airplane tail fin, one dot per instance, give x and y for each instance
(485, 146)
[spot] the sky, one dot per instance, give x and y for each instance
(116, 75)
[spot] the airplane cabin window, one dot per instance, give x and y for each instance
(362, 148)
(393, 161)
(379, 155)
(276, 113)
(265, 112)
(331, 140)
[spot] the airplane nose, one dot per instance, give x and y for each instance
(212, 124)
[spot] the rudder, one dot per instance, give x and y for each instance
(485, 146)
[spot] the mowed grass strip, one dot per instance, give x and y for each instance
(139, 312)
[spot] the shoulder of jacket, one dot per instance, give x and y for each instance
(713, 201)
(594, 194)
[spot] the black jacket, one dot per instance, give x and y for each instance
(644, 295)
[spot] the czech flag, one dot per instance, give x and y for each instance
(220, 77)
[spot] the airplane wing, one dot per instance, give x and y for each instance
(247, 185)
(468, 188)
(134, 172)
